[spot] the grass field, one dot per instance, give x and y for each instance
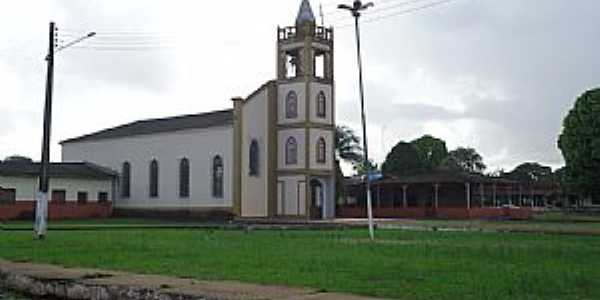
(402, 264)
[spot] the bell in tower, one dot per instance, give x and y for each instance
(305, 50)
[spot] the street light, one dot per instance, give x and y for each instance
(41, 211)
(356, 9)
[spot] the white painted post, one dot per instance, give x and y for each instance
(404, 200)
(468, 188)
(437, 199)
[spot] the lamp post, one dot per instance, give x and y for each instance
(41, 211)
(356, 9)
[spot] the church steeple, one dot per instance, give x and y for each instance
(305, 14)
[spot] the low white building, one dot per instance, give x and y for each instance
(272, 155)
(77, 190)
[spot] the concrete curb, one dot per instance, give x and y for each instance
(39, 280)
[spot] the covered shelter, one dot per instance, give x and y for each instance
(440, 194)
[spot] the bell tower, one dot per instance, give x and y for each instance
(305, 50)
(305, 128)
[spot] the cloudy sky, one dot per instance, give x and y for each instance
(495, 75)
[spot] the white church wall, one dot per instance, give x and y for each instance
(283, 90)
(315, 134)
(283, 136)
(315, 88)
(199, 146)
(254, 126)
(27, 187)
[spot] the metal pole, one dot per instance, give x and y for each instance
(41, 212)
(364, 128)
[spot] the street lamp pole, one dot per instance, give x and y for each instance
(41, 211)
(356, 9)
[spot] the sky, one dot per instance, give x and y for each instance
(498, 76)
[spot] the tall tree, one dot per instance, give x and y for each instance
(403, 159)
(432, 151)
(580, 144)
(347, 148)
(465, 159)
(531, 172)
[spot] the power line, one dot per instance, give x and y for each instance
(379, 7)
(402, 12)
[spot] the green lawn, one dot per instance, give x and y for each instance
(402, 264)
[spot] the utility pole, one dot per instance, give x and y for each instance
(41, 211)
(356, 9)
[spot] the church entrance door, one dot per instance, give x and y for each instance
(317, 194)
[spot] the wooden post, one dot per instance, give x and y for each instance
(468, 189)
(404, 200)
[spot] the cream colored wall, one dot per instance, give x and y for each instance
(315, 88)
(200, 146)
(283, 136)
(254, 126)
(27, 187)
(315, 134)
(283, 90)
(291, 195)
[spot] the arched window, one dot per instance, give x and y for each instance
(217, 177)
(254, 163)
(291, 151)
(321, 151)
(126, 180)
(291, 105)
(321, 105)
(184, 178)
(154, 179)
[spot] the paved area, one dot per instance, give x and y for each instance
(174, 287)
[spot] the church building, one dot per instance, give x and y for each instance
(270, 156)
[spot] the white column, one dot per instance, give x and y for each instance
(468, 189)
(495, 195)
(482, 194)
(404, 200)
(437, 198)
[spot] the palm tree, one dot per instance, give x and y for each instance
(347, 145)
(347, 148)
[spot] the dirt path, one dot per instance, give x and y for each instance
(54, 281)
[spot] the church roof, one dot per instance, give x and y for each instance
(64, 170)
(305, 15)
(152, 126)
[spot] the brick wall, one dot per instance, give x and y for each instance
(455, 213)
(25, 210)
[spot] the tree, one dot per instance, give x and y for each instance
(432, 151)
(18, 158)
(580, 144)
(347, 145)
(403, 159)
(347, 148)
(531, 172)
(465, 159)
(362, 170)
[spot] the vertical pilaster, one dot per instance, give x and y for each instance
(237, 155)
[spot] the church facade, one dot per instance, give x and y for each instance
(272, 155)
